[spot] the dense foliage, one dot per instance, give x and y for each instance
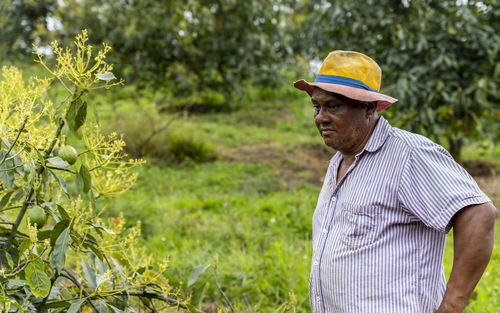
(201, 51)
(439, 58)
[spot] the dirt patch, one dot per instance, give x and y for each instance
(305, 162)
(491, 187)
(480, 168)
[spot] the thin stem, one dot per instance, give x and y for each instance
(15, 140)
(13, 207)
(10, 168)
(156, 296)
(73, 279)
(220, 290)
(61, 169)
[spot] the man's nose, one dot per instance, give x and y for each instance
(322, 116)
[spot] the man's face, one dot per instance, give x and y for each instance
(343, 126)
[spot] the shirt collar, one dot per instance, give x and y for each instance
(379, 136)
(377, 139)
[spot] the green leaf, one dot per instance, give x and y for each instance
(39, 283)
(96, 251)
(77, 113)
(101, 306)
(109, 231)
(191, 308)
(61, 181)
(15, 283)
(12, 302)
(195, 274)
(25, 244)
(5, 199)
(44, 234)
(79, 182)
(18, 163)
(89, 274)
(115, 309)
(106, 76)
(87, 180)
(62, 212)
(7, 173)
(58, 255)
(119, 268)
(75, 306)
(57, 230)
(36, 263)
(58, 162)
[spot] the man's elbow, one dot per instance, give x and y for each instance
(478, 215)
(490, 213)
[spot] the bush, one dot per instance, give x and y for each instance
(74, 259)
(148, 134)
(185, 148)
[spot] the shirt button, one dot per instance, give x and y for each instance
(325, 230)
(318, 298)
(334, 199)
(315, 263)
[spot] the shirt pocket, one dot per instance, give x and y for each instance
(359, 225)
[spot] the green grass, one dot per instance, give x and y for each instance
(251, 208)
(486, 296)
(259, 229)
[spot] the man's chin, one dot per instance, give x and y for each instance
(331, 143)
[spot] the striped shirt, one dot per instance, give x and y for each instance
(379, 234)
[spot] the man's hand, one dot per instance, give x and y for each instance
(473, 235)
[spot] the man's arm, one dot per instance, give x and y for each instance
(473, 235)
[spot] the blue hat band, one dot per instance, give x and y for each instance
(340, 80)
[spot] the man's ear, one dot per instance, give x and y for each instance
(371, 108)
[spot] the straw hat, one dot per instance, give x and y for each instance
(351, 74)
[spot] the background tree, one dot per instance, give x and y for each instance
(21, 21)
(439, 58)
(202, 52)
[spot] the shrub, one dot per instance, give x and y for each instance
(148, 133)
(77, 260)
(182, 148)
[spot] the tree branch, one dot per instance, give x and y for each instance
(73, 279)
(220, 289)
(15, 140)
(27, 200)
(61, 169)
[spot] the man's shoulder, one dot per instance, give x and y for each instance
(413, 141)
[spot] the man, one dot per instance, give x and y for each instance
(388, 200)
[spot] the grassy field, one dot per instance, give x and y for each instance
(251, 209)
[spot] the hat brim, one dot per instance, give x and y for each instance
(383, 101)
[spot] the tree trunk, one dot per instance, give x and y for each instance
(136, 79)
(456, 145)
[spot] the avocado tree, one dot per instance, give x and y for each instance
(57, 251)
(200, 52)
(439, 58)
(20, 23)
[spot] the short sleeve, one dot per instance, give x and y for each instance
(434, 187)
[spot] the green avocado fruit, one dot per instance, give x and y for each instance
(37, 216)
(68, 154)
